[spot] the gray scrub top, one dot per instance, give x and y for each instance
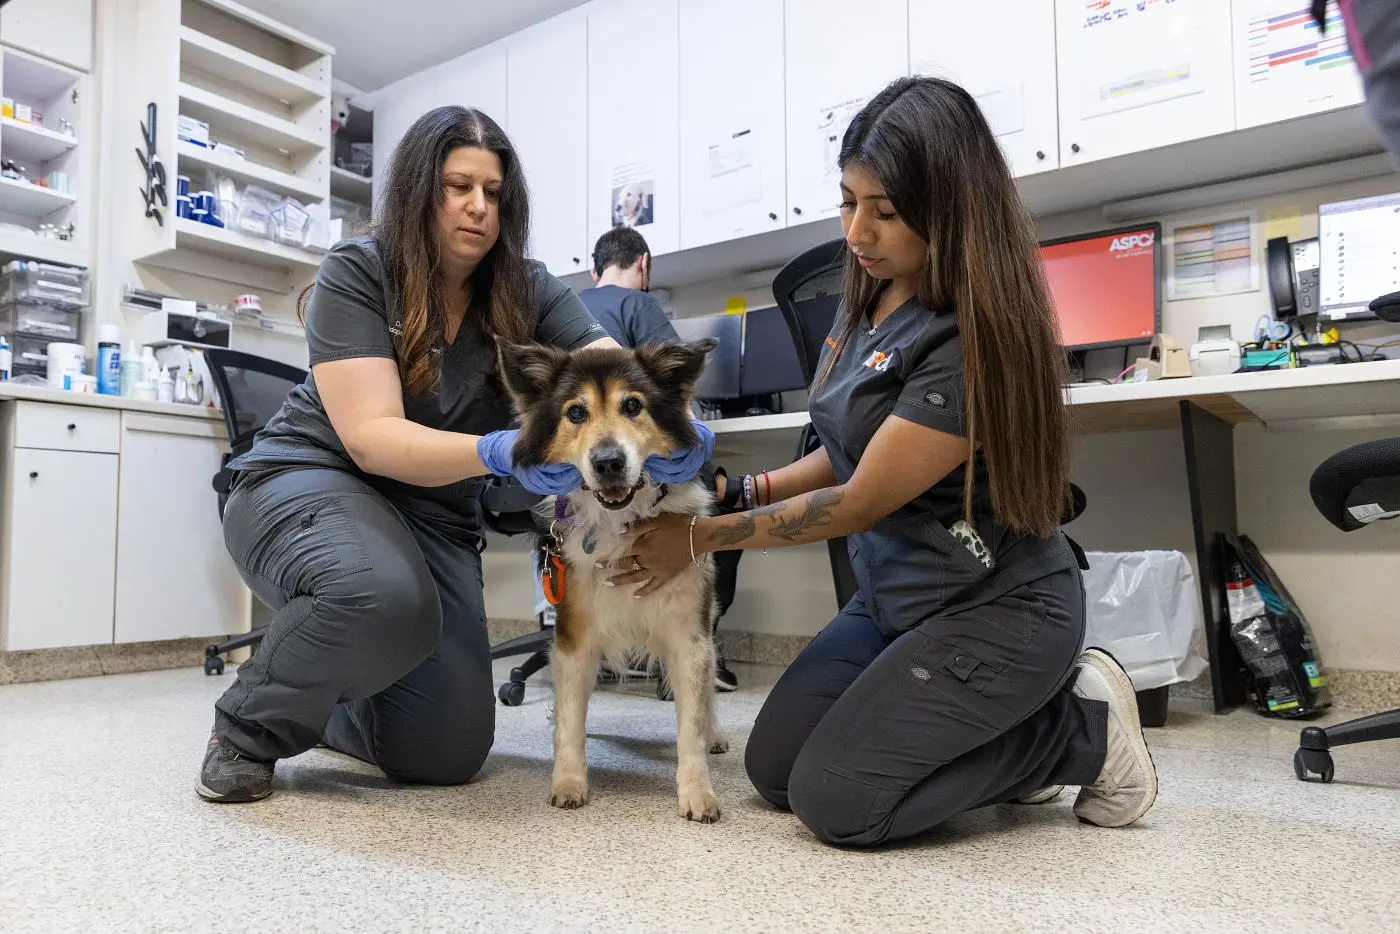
(632, 318)
(910, 567)
(353, 312)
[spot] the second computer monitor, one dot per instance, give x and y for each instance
(1106, 286)
(720, 379)
(770, 358)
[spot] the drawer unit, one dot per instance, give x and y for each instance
(67, 428)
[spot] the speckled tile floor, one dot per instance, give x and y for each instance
(100, 830)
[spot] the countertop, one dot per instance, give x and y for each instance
(17, 392)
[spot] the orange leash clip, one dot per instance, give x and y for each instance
(552, 580)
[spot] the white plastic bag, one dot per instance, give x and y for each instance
(1144, 607)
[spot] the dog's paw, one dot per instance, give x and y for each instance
(569, 793)
(718, 745)
(699, 805)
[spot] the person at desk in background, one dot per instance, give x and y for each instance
(355, 514)
(620, 304)
(955, 679)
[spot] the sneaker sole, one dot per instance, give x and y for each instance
(725, 688)
(1043, 796)
(209, 795)
(1122, 687)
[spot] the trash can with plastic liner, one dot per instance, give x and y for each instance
(1143, 606)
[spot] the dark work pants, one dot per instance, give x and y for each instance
(378, 646)
(869, 739)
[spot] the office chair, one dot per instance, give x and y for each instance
(1353, 488)
(808, 290)
(251, 390)
(505, 509)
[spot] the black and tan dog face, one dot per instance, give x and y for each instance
(603, 410)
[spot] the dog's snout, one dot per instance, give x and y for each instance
(609, 464)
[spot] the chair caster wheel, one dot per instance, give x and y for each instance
(213, 665)
(1316, 761)
(512, 693)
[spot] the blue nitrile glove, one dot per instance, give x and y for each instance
(496, 451)
(683, 465)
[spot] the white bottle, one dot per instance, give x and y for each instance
(165, 387)
(133, 370)
(149, 365)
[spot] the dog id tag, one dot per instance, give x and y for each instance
(590, 542)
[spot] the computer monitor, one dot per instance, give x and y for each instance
(1360, 246)
(1106, 286)
(720, 379)
(770, 363)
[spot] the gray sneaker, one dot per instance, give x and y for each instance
(229, 777)
(1127, 786)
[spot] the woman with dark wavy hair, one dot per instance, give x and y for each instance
(355, 514)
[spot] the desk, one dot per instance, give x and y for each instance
(1206, 409)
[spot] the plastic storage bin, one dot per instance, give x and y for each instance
(48, 321)
(43, 283)
(29, 355)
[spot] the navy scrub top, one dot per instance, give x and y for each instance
(910, 566)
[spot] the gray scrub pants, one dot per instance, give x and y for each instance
(378, 647)
(869, 738)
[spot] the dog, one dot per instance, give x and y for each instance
(605, 411)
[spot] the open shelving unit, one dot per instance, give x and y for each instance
(53, 166)
(352, 193)
(264, 91)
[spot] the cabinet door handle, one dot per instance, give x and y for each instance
(1040, 154)
(797, 210)
(576, 260)
(1074, 147)
(772, 216)
(72, 426)
(34, 475)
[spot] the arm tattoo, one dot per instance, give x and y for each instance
(816, 514)
(743, 526)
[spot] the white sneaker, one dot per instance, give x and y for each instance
(1127, 786)
(1042, 795)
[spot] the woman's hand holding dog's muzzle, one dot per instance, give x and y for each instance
(496, 451)
(660, 550)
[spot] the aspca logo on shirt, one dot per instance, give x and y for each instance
(1132, 241)
(879, 361)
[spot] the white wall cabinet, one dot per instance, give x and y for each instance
(1015, 87)
(1132, 79)
(633, 120)
(838, 56)
(547, 108)
(1284, 69)
(60, 30)
(477, 80)
(175, 578)
(395, 110)
(733, 156)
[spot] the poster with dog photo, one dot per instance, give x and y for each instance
(634, 187)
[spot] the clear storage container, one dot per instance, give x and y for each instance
(29, 355)
(48, 321)
(43, 283)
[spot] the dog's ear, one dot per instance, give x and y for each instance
(675, 365)
(530, 371)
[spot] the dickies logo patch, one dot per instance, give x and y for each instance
(936, 399)
(879, 361)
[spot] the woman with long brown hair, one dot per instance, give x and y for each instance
(955, 679)
(355, 514)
